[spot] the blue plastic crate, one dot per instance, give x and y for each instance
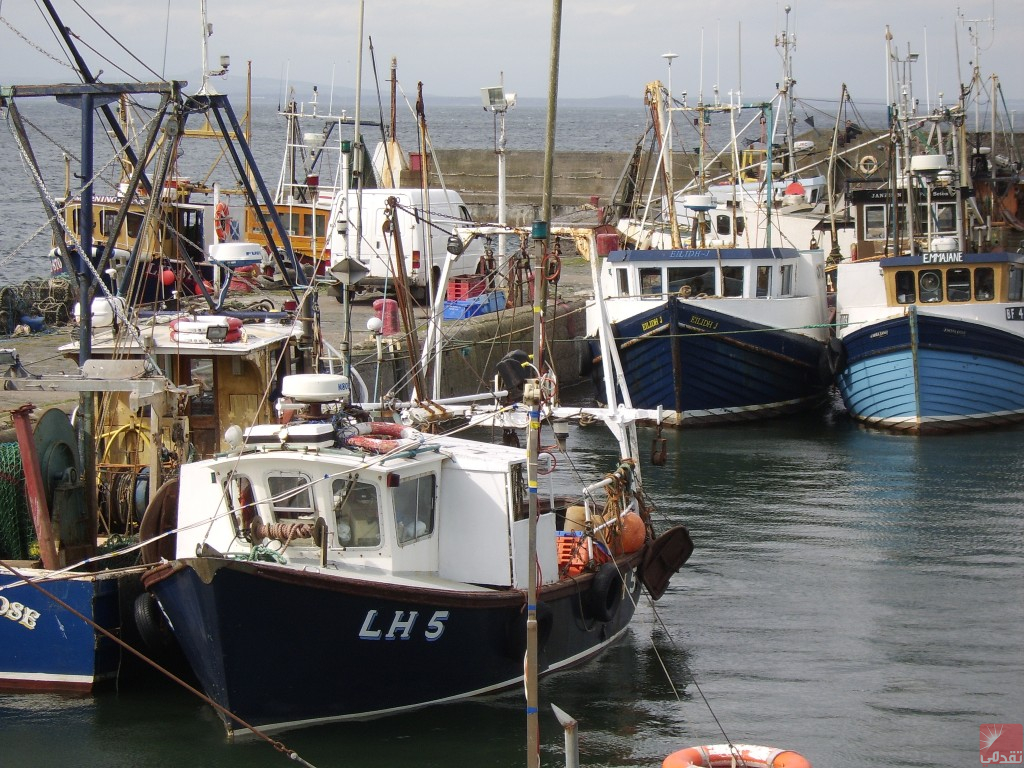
(477, 305)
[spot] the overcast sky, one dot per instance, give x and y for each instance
(608, 47)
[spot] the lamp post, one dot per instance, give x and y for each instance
(498, 102)
(671, 192)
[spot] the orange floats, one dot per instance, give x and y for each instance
(727, 755)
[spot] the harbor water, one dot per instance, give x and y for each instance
(855, 596)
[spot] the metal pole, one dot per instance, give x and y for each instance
(572, 738)
(85, 427)
(670, 193)
(502, 190)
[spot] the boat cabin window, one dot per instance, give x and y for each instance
(732, 281)
(958, 284)
(961, 284)
(929, 282)
(764, 281)
(984, 284)
(906, 287)
(202, 404)
(622, 280)
(1016, 284)
(691, 281)
(650, 281)
(132, 223)
(356, 514)
(874, 222)
(941, 218)
(414, 508)
(290, 496)
(292, 222)
(787, 280)
(242, 497)
(723, 224)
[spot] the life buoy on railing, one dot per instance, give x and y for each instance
(868, 164)
(726, 755)
(551, 266)
(196, 330)
(382, 436)
(222, 220)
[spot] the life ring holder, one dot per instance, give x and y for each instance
(868, 165)
(222, 220)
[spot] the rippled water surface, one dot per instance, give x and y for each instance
(854, 596)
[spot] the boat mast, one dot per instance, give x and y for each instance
(786, 42)
(357, 143)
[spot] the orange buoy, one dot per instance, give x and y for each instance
(634, 532)
(727, 755)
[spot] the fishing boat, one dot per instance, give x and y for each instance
(396, 560)
(929, 318)
(333, 197)
(710, 331)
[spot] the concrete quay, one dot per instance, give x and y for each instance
(472, 347)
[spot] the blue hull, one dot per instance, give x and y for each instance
(350, 649)
(920, 374)
(44, 646)
(709, 367)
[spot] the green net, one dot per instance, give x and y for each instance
(17, 536)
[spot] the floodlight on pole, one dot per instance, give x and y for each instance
(498, 102)
(668, 148)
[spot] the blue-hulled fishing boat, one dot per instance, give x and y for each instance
(931, 321)
(719, 334)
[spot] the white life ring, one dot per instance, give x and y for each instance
(868, 165)
(202, 323)
(383, 436)
(194, 337)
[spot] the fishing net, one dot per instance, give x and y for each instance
(52, 300)
(17, 536)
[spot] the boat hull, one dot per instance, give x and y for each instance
(353, 649)
(922, 373)
(47, 647)
(705, 366)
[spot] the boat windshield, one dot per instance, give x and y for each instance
(356, 514)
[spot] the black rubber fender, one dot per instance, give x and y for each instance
(605, 593)
(832, 360)
(152, 626)
(584, 357)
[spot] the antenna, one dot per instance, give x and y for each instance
(700, 99)
(739, 61)
(927, 85)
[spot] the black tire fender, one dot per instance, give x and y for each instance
(152, 626)
(605, 593)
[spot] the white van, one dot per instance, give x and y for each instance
(424, 232)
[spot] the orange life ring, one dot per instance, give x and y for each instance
(222, 220)
(723, 755)
(382, 436)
